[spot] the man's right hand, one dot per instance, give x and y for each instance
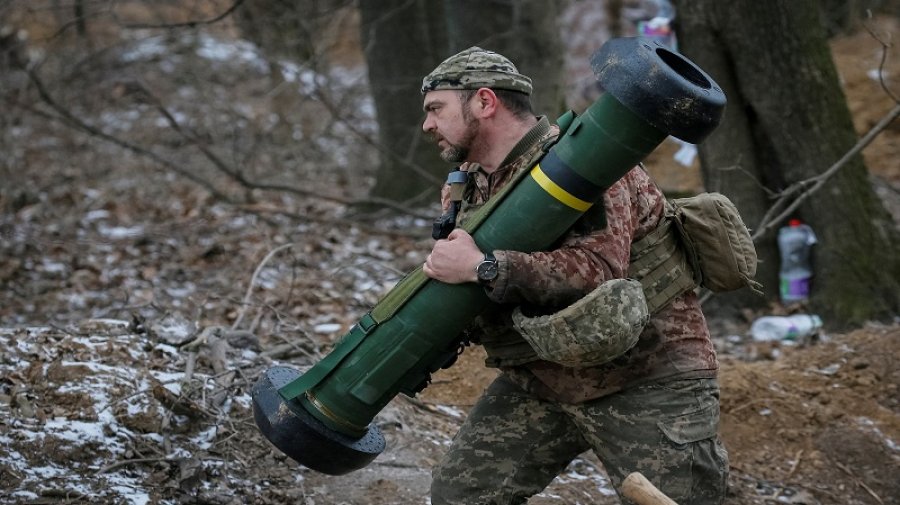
(454, 260)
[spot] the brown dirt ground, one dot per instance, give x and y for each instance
(817, 424)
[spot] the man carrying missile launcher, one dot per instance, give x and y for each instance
(588, 360)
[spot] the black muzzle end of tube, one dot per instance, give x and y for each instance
(302, 437)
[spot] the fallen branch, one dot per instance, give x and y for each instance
(287, 351)
(416, 234)
(178, 404)
(124, 462)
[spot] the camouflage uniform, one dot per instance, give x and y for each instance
(654, 409)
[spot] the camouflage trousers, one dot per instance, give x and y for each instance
(513, 444)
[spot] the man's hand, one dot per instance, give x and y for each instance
(454, 259)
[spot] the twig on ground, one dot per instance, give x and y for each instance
(859, 481)
(289, 350)
(397, 464)
(178, 404)
(124, 462)
(249, 292)
(429, 408)
(219, 347)
(795, 465)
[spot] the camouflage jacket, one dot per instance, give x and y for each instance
(675, 344)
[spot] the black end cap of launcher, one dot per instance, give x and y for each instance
(661, 86)
(302, 437)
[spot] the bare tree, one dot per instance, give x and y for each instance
(403, 40)
(787, 122)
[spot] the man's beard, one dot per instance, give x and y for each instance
(457, 153)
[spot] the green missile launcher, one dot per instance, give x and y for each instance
(323, 417)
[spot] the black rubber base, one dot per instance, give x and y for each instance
(302, 437)
(661, 86)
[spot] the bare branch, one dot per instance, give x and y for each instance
(327, 102)
(805, 188)
(186, 24)
(819, 180)
(72, 121)
(238, 177)
(884, 53)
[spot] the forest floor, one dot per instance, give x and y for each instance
(137, 312)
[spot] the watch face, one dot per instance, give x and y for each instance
(487, 270)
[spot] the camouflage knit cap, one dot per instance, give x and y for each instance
(476, 68)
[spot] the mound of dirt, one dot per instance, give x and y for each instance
(821, 420)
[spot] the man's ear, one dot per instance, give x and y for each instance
(486, 102)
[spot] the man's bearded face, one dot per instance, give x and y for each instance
(458, 151)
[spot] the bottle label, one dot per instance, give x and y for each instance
(793, 290)
(792, 333)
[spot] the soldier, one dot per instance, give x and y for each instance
(645, 400)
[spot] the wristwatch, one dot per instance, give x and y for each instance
(488, 269)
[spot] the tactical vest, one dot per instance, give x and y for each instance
(657, 260)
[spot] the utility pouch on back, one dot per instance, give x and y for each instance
(702, 241)
(716, 241)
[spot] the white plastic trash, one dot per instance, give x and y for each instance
(791, 328)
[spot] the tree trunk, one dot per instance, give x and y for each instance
(839, 16)
(526, 32)
(403, 41)
(787, 120)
